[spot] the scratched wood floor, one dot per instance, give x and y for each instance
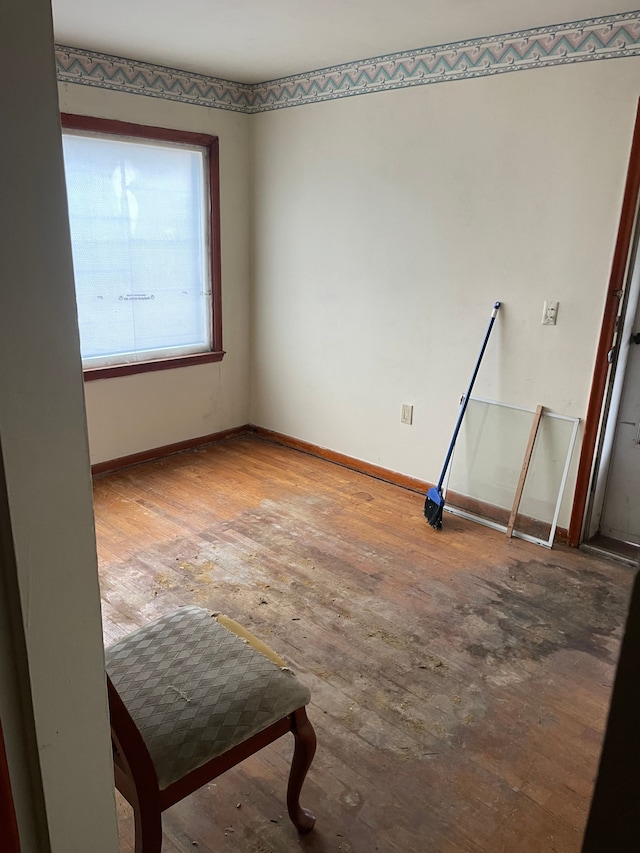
(459, 681)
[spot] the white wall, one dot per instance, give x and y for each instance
(47, 546)
(387, 225)
(135, 413)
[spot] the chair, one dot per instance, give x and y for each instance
(190, 696)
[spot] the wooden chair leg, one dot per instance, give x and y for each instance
(304, 750)
(148, 830)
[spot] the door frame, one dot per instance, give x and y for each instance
(607, 441)
(602, 370)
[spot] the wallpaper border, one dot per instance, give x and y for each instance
(74, 65)
(609, 37)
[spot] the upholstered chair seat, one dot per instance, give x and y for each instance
(190, 695)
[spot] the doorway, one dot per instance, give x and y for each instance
(613, 514)
(594, 514)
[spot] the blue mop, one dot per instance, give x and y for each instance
(434, 503)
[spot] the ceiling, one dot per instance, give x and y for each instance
(257, 40)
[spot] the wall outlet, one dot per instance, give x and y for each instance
(549, 313)
(407, 414)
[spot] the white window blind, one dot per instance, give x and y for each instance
(138, 213)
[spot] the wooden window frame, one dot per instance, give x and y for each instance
(90, 124)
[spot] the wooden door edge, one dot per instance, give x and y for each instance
(607, 331)
(9, 838)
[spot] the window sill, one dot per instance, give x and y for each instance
(113, 370)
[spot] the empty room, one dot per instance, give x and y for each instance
(319, 332)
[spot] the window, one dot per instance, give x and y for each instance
(145, 236)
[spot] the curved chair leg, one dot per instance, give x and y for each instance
(148, 829)
(304, 750)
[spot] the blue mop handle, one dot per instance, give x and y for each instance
(465, 401)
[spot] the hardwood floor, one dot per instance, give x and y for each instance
(459, 681)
